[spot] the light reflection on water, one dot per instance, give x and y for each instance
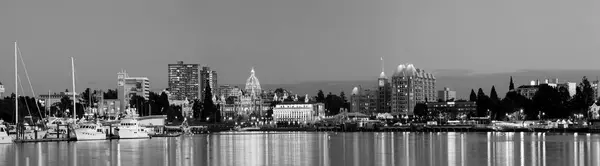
(311, 148)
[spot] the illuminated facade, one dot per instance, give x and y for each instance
(184, 81)
(298, 112)
(409, 87)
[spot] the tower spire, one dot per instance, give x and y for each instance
(382, 65)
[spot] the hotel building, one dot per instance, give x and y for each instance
(409, 87)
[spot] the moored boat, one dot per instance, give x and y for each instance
(4, 138)
(90, 131)
(130, 129)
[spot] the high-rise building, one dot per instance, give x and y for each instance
(184, 81)
(409, 87)
(446, 95)
(208, 75)
(131, 86)
(1, 89)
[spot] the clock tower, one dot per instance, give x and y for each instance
(383, 92)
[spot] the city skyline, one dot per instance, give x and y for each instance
(290, 42)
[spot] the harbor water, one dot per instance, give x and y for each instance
(317, 148)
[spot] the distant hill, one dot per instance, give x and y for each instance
(461, 81)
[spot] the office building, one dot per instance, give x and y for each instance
(131, 86)
(210, 76)
(446, 95)
(184, 81)
(409, 87)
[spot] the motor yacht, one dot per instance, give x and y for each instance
(90, 131)
(130, 129)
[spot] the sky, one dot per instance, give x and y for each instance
(290, 41)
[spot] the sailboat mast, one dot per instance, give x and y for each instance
(16, 89)
(74, 97)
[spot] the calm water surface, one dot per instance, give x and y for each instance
(312, 148)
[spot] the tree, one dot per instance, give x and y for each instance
(473, 96)
(584, 97)
(494, 95)
(320, 97)
(550, 101)
(421, 109)
(163, 103)
(512, 85)
(209, 108)
(111, 94)
(344, 103)
(196, 108)
(482, 103)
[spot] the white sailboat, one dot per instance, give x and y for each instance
(29, 131)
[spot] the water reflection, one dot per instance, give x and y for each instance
(306, 148)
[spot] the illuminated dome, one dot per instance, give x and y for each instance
(355, 91)
(410, 70)
(400, 70)
(253, 85)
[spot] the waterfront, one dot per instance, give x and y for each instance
(318, 148)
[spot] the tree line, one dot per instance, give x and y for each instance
(548, 102)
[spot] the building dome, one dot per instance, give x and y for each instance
(253, 85)
(382, 75)
(355, 91)
(410, 70)
(400, 70)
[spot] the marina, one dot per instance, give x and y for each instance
(319, 149)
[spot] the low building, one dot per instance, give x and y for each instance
(527, 91)
(298, 112)
(446, 95)
(452, 110)
(51, 99)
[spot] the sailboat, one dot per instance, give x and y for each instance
(28, 131)
(70, 122)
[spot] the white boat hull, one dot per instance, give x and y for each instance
(6, 139)
(131, 134)
(82, 135)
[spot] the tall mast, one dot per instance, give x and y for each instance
(16, 89)
(74, 97)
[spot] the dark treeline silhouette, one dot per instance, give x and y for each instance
(547, 103)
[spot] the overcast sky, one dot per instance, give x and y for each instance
(289, 41)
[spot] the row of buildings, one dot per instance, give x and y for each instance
(399, 95)
(529, 91)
